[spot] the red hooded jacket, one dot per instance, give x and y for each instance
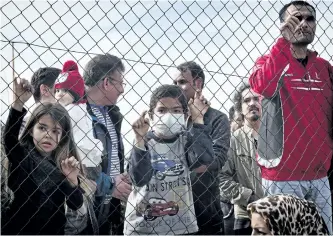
(295, 137)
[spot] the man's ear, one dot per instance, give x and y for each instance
(43, 90)
(105, 83)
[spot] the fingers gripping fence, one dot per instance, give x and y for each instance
(190, 168)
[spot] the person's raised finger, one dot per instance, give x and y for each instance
(15, 81)
(144, 113)
(66, 162)
(197, 94)
(139, 123)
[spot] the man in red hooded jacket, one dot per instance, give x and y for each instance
(295, 142)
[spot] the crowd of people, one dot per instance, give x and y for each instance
(192, 170)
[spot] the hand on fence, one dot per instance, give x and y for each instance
(198, 107)
(122, 189)
(141, 127)
(70, 168)
(289, 27)
(22, 91)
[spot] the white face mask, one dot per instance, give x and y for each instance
(169, 124)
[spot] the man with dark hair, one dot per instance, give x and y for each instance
(191, 78)
(103, 75)
(284, 9)
(42, 81)
(240, 178)
(295, 142)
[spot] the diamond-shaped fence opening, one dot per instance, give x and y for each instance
(92, 143)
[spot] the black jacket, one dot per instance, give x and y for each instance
(37, 208)
(108, 215)
(205, 186)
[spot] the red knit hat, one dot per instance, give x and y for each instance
(71, 80)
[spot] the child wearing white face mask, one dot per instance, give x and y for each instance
(161, 201)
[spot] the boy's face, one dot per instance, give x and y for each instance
(64, 97)
(168, 105)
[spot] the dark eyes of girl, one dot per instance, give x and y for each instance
(42, 128)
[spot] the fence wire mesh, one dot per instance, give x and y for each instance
(224, 130)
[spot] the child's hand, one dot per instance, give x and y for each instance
(22, 90)
(141, 126)
(198, 107)
(70, 168)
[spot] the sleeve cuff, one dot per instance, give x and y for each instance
(69, 189)
(18, 113)
(204, 127)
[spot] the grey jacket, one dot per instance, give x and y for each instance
(240, 178)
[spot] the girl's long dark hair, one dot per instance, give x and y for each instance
(66, 146)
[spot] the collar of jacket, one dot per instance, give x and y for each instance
(247, 130)
(113, 109)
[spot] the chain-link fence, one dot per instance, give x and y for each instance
(175, 182)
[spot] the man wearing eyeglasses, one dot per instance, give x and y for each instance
(104, 79)
(295, 142)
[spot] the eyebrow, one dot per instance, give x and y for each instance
(45, 125)
(171, 107)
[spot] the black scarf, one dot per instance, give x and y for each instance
(44, 170)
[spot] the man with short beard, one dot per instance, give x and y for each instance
(240, 178)
(295, 143)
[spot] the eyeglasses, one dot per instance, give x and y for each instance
(116, 82)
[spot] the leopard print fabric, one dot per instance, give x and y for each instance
(289, 215)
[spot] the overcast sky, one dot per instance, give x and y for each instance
(224, 37)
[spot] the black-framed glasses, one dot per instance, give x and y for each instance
(116, 82)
